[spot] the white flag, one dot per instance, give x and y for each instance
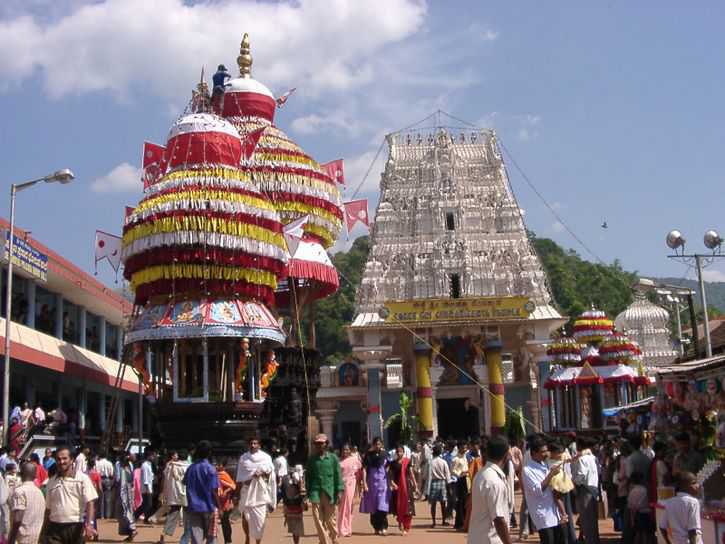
(108, 246)
(293, 233)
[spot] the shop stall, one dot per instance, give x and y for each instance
(691, 397)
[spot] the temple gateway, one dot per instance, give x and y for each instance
(453, 307)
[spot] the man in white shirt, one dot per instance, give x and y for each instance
(28, 507)
(585, 474)
(539, 496)
(147, 487)
(257, 489)
(682, 513)
(489, 499)
(70, 497)
(105, 469)
(81, 461)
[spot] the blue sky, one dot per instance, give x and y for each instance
(613, 109)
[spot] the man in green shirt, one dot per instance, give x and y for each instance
(324, 486)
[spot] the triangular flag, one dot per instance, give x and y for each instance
(282, 100)
(153, 163)
(335, 171)
(356, 210)
(294, 232)
(108, 246)
(250, 142)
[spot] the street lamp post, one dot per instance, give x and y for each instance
(713, 242)
(61, 176)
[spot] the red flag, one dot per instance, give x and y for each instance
(356, 210)
(282, 100)
(250, 142)
(154, 163)
(335, 171)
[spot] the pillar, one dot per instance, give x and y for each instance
(30, 295)
(102, 335)
(82, 408)
(327, 422)
(102, 412)
(82, 324)
(120, 409)
(59, 316)
(375, 416)
(424, 391)
(544, 371)
(495, 386)
(30, 392)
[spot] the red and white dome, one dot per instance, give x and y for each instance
(203, 139)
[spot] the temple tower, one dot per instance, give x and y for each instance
(452, 288)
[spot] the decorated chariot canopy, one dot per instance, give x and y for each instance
(564, 351)
(204, 318)
(592, 326)
(310, 273)
(297, 185)
(589, 375)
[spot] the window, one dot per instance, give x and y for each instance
(45, 308)
(93, 332)
(450, 221)
(112, 341)
(455, 283)
(71, 320)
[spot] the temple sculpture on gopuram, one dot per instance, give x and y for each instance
(226, 254)
(454, 306)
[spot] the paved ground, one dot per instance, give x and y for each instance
(276, 533)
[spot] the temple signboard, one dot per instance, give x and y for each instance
(478, 309)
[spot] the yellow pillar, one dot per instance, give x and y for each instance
(495, 386)
(425, 391)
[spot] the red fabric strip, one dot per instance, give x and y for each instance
(197, 254)
(197, 148)
(249, 104)
(217, 288)
(425, 392)
(269, 224)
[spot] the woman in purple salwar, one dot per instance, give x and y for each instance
(376, 492)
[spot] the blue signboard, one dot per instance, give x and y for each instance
(26, 257)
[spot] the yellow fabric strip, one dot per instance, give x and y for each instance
(205, 195)
(304, 209)
(206, 271)
(204, 224)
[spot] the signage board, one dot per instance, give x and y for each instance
(26, 257)
(472, 310)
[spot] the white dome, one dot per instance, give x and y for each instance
(202, 122)
(248, 85)
(648, 325)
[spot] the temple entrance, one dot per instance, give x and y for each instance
(452, 420)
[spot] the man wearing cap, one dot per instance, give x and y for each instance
(324, 486)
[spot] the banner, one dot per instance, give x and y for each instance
(474, 310)
(108, 246)
(26, 257)
(335, 170)
(153, 163)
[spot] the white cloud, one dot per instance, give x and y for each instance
(713, 275)
(483, 33)
(124, 178)
(122, 45)
(334, 121)
(557, 227)
(527, 126)
(357, 167)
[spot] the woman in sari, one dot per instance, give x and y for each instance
(126, 500)
(350, 466)
(137, 499)
(404, 488)
(376, 494)
(17, 435)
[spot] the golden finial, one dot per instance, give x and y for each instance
(244, 60)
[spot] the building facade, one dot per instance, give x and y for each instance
(66, 342)
(453, 301)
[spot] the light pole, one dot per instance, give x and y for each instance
(713, 242)
(61, 176)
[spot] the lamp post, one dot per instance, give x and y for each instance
(713, 242)
(61, 176)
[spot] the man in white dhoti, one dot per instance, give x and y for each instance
(257, 488)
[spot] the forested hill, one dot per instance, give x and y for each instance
(575, 283)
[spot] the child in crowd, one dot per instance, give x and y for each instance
(682, 513)
(293, 498)
(640, 513)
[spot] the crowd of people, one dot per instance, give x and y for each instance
(567, 485)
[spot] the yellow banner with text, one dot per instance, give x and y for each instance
(479, 309)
